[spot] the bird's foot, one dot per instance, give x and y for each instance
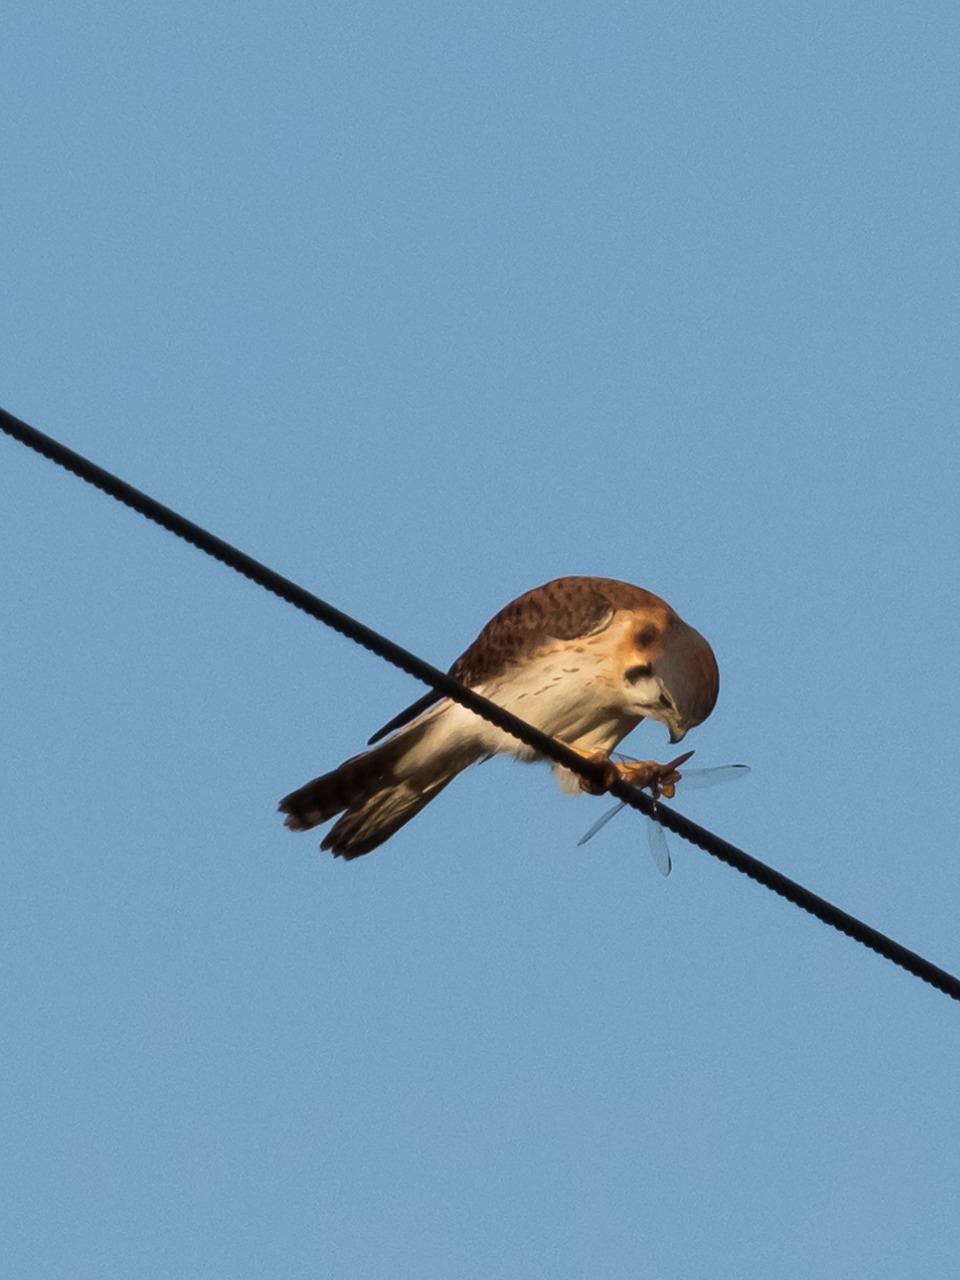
(658, 779)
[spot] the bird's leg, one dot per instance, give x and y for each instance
(658, 779)
(606, 764)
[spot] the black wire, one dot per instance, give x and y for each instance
(540, 742)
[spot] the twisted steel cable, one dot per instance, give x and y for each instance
(439, 680)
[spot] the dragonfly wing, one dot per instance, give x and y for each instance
(597, 826)
(655, 837)
(700, 779)
(660, 852)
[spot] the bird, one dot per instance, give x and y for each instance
(584, 659)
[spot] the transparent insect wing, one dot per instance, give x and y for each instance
(694, 780)
(700, 779)
(597, 826)
(659, 849)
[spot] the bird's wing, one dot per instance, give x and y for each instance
(564, 609)
(416, 708)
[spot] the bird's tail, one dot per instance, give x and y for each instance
(380, 790)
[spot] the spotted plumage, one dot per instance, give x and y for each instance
(584, 659)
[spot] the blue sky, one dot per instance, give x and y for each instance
(423, 306)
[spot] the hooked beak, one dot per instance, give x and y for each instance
(677, 735)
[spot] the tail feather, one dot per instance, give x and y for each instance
(323, 798)
(381, 815)
(380, 790)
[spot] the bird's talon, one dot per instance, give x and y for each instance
(648, 775)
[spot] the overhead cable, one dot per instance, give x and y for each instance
(542, 743)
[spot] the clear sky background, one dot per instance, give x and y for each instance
(424, 305)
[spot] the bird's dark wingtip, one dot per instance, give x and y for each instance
(410, 713)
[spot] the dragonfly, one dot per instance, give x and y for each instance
(665, 784)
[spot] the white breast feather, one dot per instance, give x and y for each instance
(573, 692)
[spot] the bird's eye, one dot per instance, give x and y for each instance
(665, 701)
(645, 638)
(639, 673)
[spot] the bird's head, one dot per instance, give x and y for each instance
(671, 674)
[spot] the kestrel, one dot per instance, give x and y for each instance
(583, 659)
